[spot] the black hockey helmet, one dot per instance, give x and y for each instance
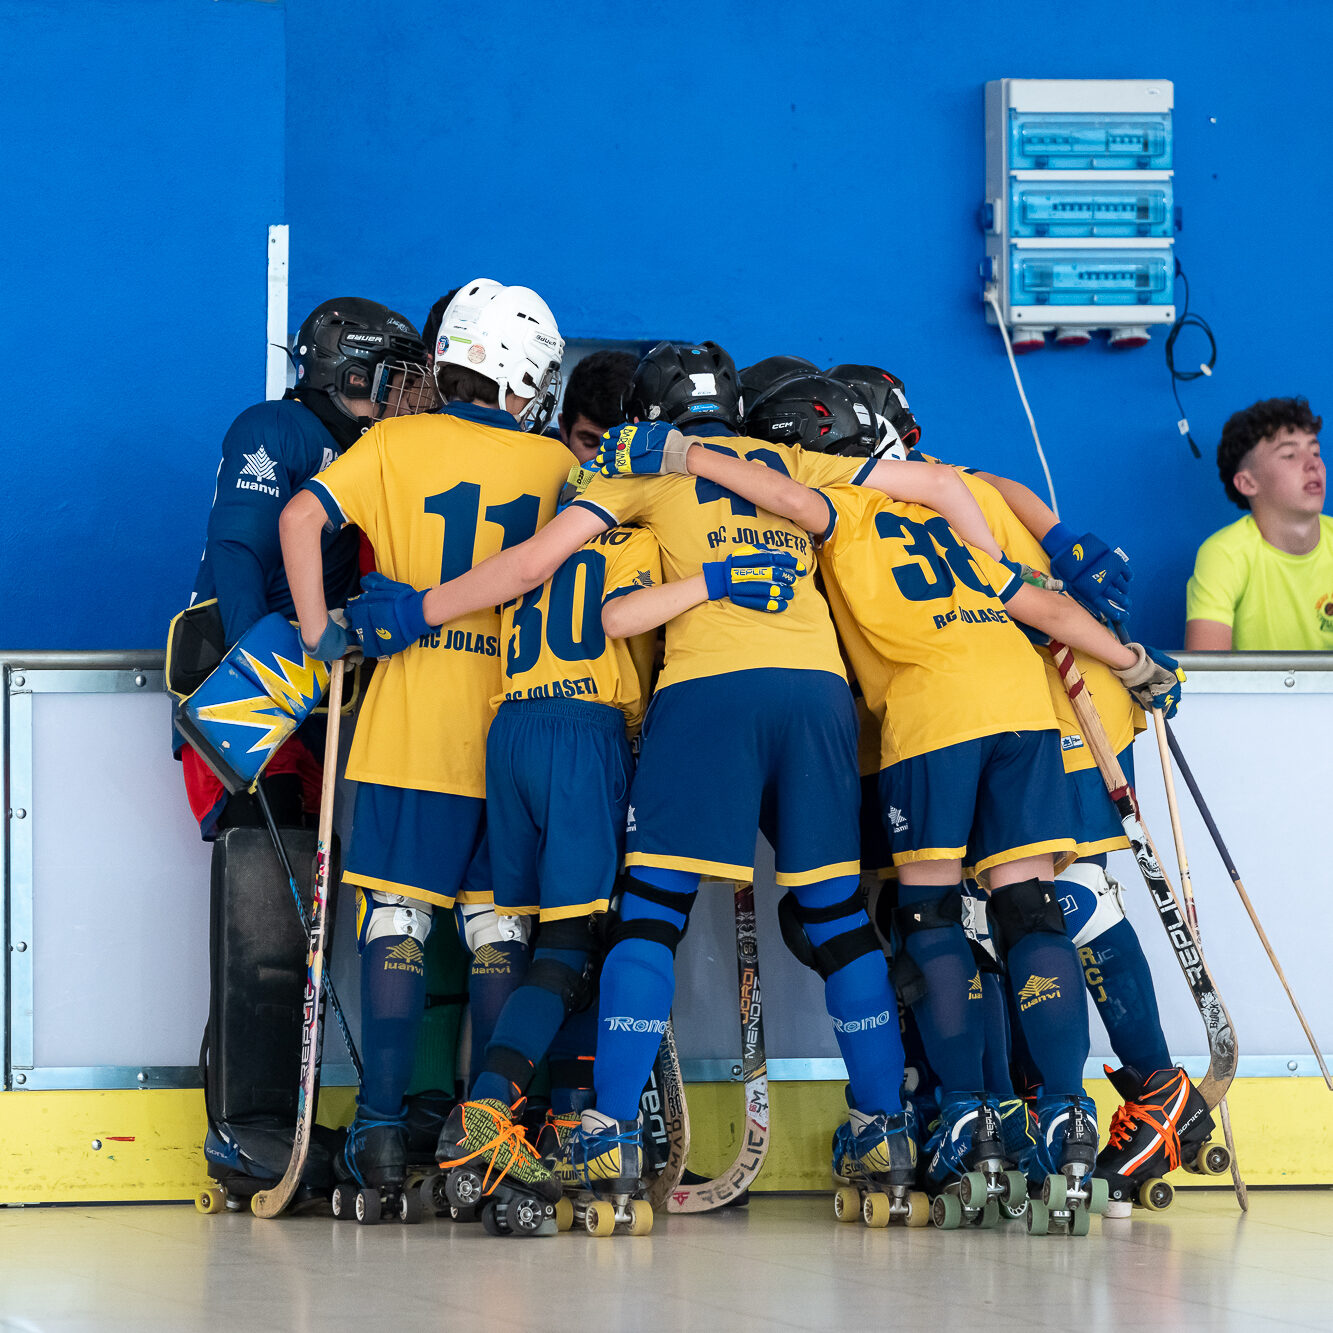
(886, 394)
(353, 348)
(682, 382)
(759, 378)
(818, 413)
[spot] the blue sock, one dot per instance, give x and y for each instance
(949, 1015)
(1047, 983)
(1121, 987)
(638, 985)
(861, 1003)
(497, 972)
(525, 1029)
(393, 1000)
(995, 1057)
(571, 1061)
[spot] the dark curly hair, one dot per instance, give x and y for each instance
(1244, 429)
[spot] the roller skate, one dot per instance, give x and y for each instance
(967, 1174)
(601, 1171)
(1163, 1124)
(427, 1113)
(1067, 1151)
(371, 1170)
(1018, 1134)
(492, 1171)
(244, 1159)
(875, 1164)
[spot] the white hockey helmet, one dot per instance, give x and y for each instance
(509, 335)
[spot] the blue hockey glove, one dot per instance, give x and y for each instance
(387, 617)
(333, 643)
(643, 450)
(754, 577)
(1154, 680)
(1094, 573)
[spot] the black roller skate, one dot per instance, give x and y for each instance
(1067, 1151)
(244, 1159)
(1163, 1124)
(372, 1171)
(426, 1114)
(601, 1170)
(490, 1169)
(968, 1173)
(875, 1164)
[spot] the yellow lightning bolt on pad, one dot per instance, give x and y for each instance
(296, 685)
(261, 712)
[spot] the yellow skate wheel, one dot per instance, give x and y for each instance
(1212, 1159)
(210, 1200)
(846, 1204)
(1080, 1222)
(640, 1217)
(564, 1214)
(1154, 1195)
(875, 1210)
(918, 1209)
(600, 1219)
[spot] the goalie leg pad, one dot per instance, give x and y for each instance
(379, 914)
(261, 691)
(1029, 907)
(1091, 900)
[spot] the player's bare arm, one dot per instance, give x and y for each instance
(647, 608)
(761, 485)
(1032, 512)
(1063, 619)
(940, 489)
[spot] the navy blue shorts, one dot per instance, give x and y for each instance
(426, 845)
(983, 801)
(1097, 826)
(724, 757)
(876, 854)
(557, 786)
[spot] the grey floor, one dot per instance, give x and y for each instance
(781, 1264)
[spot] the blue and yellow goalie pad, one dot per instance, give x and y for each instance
(261, 691)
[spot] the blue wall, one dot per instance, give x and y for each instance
(776, 177)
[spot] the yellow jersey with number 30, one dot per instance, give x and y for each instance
(695, 520)
(552, 645)
(436, 494)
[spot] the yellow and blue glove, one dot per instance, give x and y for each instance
(1154, 680)
(754, 577)
(645, 449)
(387, 617)
(1096, 574)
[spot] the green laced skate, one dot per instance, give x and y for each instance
(482, 1132)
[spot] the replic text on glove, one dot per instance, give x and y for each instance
(754, 577)
(643, 449)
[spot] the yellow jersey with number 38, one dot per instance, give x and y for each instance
(436, 494)
(695, 520)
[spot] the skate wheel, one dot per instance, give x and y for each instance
(564, 1214)
(875, 1210)
(464, 1215)
(918, 1209)
(210, 1200)
(462, 1187)
(1015, 1194)
(1080, 1222)
(235, 1205)
(640, 1217)
(526, 1216)
(972, 1190)
(846, 1204)
(989, 1215)
(368, 1206)
(492, 1223)
(1212, 1159)
(433, 1197)
(1038, 1219)
(1054, 1191)
(410, 1207)
(600, 1219)
(946, 1211)
(341, 1203)
(1154, 1195)
(1099, 1195)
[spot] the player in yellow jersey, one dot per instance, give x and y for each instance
(434, 494)
(970, 748)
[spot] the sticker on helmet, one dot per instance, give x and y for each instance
(705, 386)
(476, 354)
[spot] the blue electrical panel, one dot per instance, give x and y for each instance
(1096, 277)
(1090, 208)
(1051, 141)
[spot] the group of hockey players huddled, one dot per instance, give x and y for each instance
(855, 666)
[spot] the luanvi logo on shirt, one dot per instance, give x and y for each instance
(262, 468)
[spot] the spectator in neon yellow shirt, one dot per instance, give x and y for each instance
(1266, 581)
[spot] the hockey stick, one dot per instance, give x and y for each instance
(269, 1203)
(675, 1119)
(1244, 897)
(753, 1070)
(305, 925)
(1222, 1053)
(1187, 891)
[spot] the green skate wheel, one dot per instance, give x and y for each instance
(1080, 1222)
(1099, 1195)
(600, 1219)
(564, 1214)
(210, 1200)
(640, 1217)
(989, 1215)
(1154, 1195)
(918, 1209)
(876, 1210)
(1015, 1194)
(972, 1191)
(368, 1207)
(1039, 1218)
(846, 1204)
(946, 1212)
(1053, 1193)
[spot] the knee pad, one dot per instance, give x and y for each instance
(379, 914)
(573, 986)
(1029, 907)
(942, 914)
(652, 928)
(1091, 901)
(835, 953)
(479, 924)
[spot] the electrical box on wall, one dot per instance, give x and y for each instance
(1079, 213)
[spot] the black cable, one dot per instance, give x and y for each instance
(1183, 320)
